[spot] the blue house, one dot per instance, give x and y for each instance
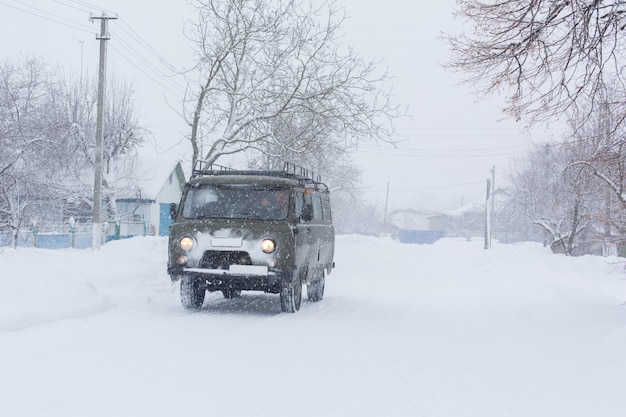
(414, 227)
(148, 204)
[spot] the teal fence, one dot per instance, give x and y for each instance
(75, 238)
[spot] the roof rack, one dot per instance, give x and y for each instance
(201, 168)
(290, 170)
(299, 171)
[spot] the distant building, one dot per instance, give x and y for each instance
(147, 205)
(413, 226)
(467, 221)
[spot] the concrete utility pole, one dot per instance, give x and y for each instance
(487, 231)
(493, 203)
(97, 188)
(385, 214)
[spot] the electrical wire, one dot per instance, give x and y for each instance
(442, 153)
(149, 47)
(417, 189)
(91, 6)
(71, 25)
(85, 11)
(130, 61)
(147, 67)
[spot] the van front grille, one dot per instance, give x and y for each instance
(213, 259)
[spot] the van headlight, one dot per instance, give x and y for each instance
(268, 245)
(186, 243)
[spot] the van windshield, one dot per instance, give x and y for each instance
(236, 202)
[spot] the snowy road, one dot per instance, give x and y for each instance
(404, 330)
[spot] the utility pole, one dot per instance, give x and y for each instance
(385, 214)
(487, 231)
(493, 202)
(97, 188)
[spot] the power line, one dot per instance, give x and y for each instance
(433, 153)
(416, 189)
(403, 149)
(149, 47)
(91, 6)
(147, 64)
(163, 80)
(71, 25)
(80, 9)
(130, 61)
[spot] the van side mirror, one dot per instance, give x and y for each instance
(173, 211)
(307, 213)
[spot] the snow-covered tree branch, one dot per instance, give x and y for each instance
(263, 65)
(551, 57)
(47, 127)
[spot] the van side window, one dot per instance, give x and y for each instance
(317, 207)
(305, 206)
(299, 200)
(326, 207)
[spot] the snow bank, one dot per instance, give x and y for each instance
(39, 286)
(448, 329)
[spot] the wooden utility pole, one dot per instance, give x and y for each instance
(97, 188)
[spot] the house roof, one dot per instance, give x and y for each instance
(152, 171)
(410, 219)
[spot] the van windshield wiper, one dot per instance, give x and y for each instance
(248, 216)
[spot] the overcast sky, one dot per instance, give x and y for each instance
(450, 142)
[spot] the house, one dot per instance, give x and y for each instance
(412, 226)
(467, 221)
(145, 209)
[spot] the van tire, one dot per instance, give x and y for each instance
(191, 293)
(230, 294)
(291, 297)
(315, 289)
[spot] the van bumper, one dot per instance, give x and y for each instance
(238, 277)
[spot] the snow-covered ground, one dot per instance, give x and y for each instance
(448, 330)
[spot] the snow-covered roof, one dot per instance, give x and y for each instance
(473, 207)
(151, 172)
(410, 220)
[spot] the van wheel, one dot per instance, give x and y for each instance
(291, 297)
(230, 294)
(315, 289)
(191, 293)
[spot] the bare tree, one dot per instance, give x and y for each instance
(558, 200)
(602, 151)
(32, 143)
(46, 143)
(551, 56)
(269, 67)
(122, 136)
(598, 149)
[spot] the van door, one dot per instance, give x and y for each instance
(327, 236)
(304, 230)
(318, 232)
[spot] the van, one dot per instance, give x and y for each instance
(237, 231)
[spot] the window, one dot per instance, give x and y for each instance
(326, 207)
(236, 202)
(317, 207)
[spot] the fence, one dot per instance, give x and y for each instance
(77, 238)
(419, 236)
